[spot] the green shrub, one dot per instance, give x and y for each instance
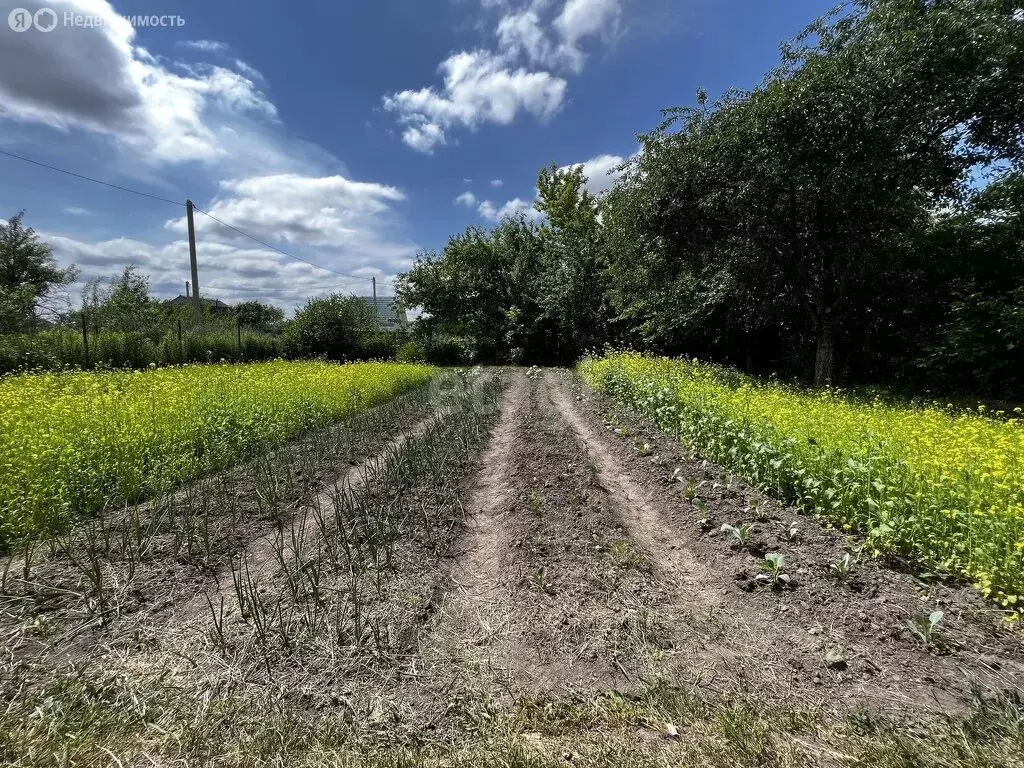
(411, 352)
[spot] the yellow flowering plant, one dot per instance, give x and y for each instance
(943, 488)
(71, 442)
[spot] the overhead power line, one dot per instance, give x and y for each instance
(176, 203)
(278, 250)
(90, 178)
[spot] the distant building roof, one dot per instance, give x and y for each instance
(215, 304)
(390, 316)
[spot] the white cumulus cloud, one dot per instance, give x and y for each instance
(522, 73)
(99, 80)
(478, 87)
(513, 207)
(161, 112)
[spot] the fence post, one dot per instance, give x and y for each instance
(85, 336)
(181, 345)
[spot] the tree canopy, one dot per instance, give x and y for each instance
(836, 222)
(30, 280)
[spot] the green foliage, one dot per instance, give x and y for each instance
(484, 286)
(259, 317)
(772, 571)
(523, 293)
(411, 352)
(941, 488)
(380, 345)
(449, 350)
(334, 327)
(925, 628)
(121, 304)
(843, 569)
(64, 348)
(573, 278)
(741, 533)
(30, 280)
(75, 442)
(792, 228)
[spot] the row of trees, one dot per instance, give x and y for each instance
(126, 326)
(34, 295)
(856, 217)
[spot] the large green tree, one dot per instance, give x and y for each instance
(334, 327)
(258, 316)
(488, 286)
(121, 303)
(574, 284)
(799, 193)
(31, 283)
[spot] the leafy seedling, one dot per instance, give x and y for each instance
(772, 567)
(540, 580)
(690, 490)
(756, 508)
(792, 533)
(535, 503)
(926, 628)
(843, 569)
(643, 449)
(741, 533)
(704, 515)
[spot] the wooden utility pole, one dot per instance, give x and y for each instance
(197, 307)
(376, 312)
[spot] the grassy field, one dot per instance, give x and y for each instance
(71, 443)
(944, 489)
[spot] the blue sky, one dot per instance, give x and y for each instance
(350, 134)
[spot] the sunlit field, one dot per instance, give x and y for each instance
(942, 488)
(73, 442)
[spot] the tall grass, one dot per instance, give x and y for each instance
(73, 442)
(63, 348)
(945, 489)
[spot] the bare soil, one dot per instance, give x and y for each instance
(563, 594)
(782, 636)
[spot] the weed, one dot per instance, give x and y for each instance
(792, 533)
(690, 490)
(541, 582)
(843, 569)
(536, 502)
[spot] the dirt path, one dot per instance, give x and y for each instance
(556, 575)
(531, 604)
(486, 540)
(776, 642)
(472, 610)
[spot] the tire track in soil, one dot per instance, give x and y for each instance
(474, 609)
(754, 645)
(522, 616)
(691, 608)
